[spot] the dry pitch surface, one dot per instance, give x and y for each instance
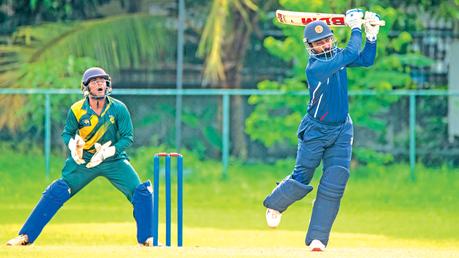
(118, 240)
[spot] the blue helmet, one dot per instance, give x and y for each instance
(316, 30)
(91, 73)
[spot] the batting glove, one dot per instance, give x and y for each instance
(102, 152)
(76, 149)
(354, 18)
(371, 29)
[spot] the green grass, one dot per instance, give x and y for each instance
(381, 207)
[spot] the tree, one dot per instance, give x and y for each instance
(19, 13)
(223, 45)
(54, 55)
(275, 119)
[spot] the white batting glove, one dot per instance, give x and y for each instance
(354, 18)
(76, 149)
(371, 31)
(102, 152)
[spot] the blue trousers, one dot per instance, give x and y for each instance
(74, 177)
(332, 144)
(317, 142)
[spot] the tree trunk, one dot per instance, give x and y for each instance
(134, 6)
(234, 63)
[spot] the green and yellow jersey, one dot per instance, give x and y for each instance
(113, 124)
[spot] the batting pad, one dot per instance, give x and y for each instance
(286, 193)
(52, 199)
(143, 211)
(326, 206)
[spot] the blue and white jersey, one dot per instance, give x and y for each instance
(327, 80)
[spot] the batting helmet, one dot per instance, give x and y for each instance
(316, 30)
(95, 72)
(92, 73)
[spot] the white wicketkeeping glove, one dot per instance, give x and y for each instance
(102, 152)
(76, 149)
(354, 18)
(371, 31)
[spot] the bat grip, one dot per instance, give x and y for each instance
(377, 22)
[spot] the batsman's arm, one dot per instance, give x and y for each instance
(321, 70)
(125, 129)
(70, 128)
(366, 56)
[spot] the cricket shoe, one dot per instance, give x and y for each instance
(316, 246)
(273, 218)
(19, 240)
(149, 243)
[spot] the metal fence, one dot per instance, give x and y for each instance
(225, 96)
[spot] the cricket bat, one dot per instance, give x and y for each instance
(303, 18)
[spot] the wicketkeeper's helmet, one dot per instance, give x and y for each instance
(95, 72)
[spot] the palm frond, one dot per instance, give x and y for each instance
(216, 33)
(116, 42)
(211, 43)
(129, 41)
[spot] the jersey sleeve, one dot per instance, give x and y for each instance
(367, 56)
(70, 128)
(125, 129)
(321, 70)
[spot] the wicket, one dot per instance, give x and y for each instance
(156, 165)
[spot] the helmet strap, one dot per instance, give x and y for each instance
(97, 97)
(87, 92)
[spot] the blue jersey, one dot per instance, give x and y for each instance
(327, 80)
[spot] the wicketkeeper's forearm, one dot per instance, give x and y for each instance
(123, 143)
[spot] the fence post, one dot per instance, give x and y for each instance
(225, 141)
(412, 134)
(179, 83)
(47, 134)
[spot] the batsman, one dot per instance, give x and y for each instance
(326, 131)
(97, 132)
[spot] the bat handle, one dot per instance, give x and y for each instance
(377, 22)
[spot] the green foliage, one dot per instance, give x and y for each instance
(200, 130)
(54, 55)
(432, 132)
(116, 42)
(390, 71)
(368, 156)
(214, 43)
(54, 74)
(210, 137)
(19, 13)
(275, 117)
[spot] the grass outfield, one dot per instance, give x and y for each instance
(383, 214)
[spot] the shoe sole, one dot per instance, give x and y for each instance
(316, 249)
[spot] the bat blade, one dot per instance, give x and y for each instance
(303, 18)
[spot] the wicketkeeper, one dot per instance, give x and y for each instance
(326, 131)
(97, 132)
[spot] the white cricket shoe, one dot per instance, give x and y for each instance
(316, 246)
(273, 218)
(19, 240)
